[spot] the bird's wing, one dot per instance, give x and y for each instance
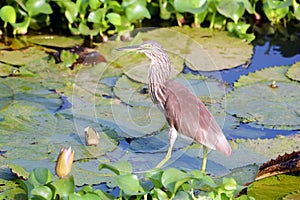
(190, 117)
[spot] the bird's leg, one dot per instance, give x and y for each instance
(172, 138)
(204, 159)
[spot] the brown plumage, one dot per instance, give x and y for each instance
(184, 112)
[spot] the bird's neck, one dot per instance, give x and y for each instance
(159, 71)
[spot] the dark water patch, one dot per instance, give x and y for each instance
(262, 133)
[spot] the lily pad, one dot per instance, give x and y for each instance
(24, 56)
(136, 121)
(271, 148)
(267, 75)
(220, 51)
(56, 41)
(271, 107)
(6, 70)
(294, 72)
(131, 93)
(275, 187)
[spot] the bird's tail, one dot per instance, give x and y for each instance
(223, 145)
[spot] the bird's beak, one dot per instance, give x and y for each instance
(130, 48)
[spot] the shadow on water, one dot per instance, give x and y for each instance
(268, 52)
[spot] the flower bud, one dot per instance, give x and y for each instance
(64, 162)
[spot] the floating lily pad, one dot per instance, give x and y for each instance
(271, 148)
(275, 187)
(292, 196)
(267, 75)
(6, 70)
(131, 92)
(136, 121)
(23, 56)
(214, 50)
(271, 107)
(294, 72)
(56, 41)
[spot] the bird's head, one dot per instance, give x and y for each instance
(151, 48)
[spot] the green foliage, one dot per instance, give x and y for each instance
(22, 14)
(95, 17)
(172, 184)
(155, 183)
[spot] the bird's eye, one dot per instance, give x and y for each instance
(147, 46)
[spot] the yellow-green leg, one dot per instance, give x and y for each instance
(172, 138)
(204, 159)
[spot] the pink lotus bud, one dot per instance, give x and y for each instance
(64, 162)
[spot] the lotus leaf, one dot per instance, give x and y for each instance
(294, 72)
(270, 107)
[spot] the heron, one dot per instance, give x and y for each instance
(184, 111)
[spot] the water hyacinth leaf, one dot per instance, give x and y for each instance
(64, 187)
(24, 56)
(35, 7)
(41, 192)
(173, 178)
(71, 10)
(231, 9)
(96, 16)
(194, 6)
(136, 10)
(276, 10)
(294, 72)
(94, 4)
(68, 58)
(271, 107)
(40, 176)
(56, 40)
(296, 10)
(85, 30)
(155, 176)
(8, 14)
(129, 183)
(114, 18)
